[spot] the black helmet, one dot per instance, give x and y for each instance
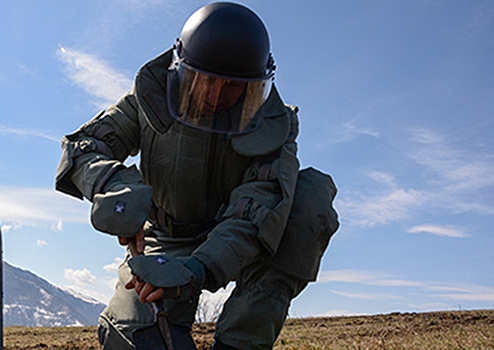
(222, 69)
(227, 39)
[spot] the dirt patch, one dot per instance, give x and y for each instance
(435, 330)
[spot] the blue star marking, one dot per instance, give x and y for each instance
(161, 260)
(120, 207)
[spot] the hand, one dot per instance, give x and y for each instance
(164, 276)
(149, 293)
(146, 291)
(140, 243)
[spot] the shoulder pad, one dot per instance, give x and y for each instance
(272, 133)
(150, 92)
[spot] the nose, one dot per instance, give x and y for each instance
(213, 92)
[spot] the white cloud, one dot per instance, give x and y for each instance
(430, 306)
(94, 76)
(366, 296)
(345, 132)
(113, 267)
(41, 243)
(23, 132)
(80, 277)
(7, 228)
(374, 210)
(386, 204)
(57, 227)
(456, 177)
(438, 230)
(457, 166)
(374, 278)
(355, 129)
(33, 206)
(436, 290)
(470, 296)
(24, 68)
(444, 288)
(350, 276)
(470, 293)
(395, 283)
(383, 178)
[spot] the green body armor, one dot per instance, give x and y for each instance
(231, 201)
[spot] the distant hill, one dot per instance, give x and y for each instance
(31, 301)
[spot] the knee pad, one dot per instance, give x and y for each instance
(111, 338)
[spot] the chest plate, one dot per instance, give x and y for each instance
(192, 171)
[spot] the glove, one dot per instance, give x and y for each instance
(123, 205)
(172, 274)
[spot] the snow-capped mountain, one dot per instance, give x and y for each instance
(32, 301)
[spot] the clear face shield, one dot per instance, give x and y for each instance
(216, 103)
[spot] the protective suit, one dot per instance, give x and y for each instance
(234, 201)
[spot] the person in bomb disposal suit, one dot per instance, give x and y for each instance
(218, 196)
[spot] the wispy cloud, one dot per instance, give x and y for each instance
(438, 230)
(457, 174)
(383, 206)
(95, 76)
(383, 178)
(467, 292)
(33, 206)
(366, 296)
(23, 132)
(458, 168)
(23, 68)
(56, 227)
(455, 179)
(382, 280)
(394, 282)
(118, 18)
(41, 243)
(7, 227)
(356, 129)
(346, 132)
(429, 306)
(489, 296)
(349, 276)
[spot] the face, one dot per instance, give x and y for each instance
(214, 103)
(217, 95)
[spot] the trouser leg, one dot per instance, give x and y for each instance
(126, 314)
(254, 315)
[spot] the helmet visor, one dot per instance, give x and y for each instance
(216, 103)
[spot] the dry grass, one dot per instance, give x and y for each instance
(437, 330)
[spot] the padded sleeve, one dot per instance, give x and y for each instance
(93, 153)
(255, 219)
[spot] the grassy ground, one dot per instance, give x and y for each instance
(437, 330)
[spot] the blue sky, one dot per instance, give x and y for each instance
(396, 102)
